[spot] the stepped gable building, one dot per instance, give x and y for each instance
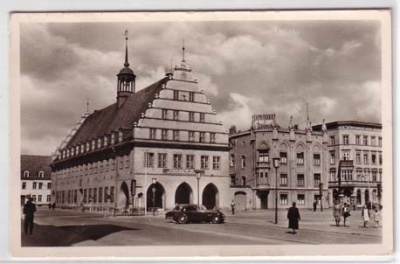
(153, 148)
(355, 161)
(35, 179)
(301, 175)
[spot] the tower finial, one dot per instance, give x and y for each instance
(87, 105)
(183, 50)
(126, 64)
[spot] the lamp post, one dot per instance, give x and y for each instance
(154, 181)
(198, 176)
(276, 162)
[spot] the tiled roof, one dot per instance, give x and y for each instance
(112, 118)
(34, 164)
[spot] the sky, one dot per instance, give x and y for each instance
(244, 67)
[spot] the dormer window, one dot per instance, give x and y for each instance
(41, 174)
(105, 141)
(68, 152)
(77, 150)
(26, 174)
(93, 144)
(87, 146)
(82, 148)
(72, 151)
(99, 143)
(120, 136)
(112, 138)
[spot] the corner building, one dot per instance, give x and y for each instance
(153, 148)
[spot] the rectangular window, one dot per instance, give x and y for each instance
(40, 185)
(177, 161)
(358, 142)
(243, 162)
(189, 161)
(121, 162)
(358, 158)
(283, 199)
(283, 156)
(90, 195)
(284, 180)
(126, 161)
(48, 198)
(162, 160)
(191, 117)
(100, 194)
(216, 163)
(204, 162)
(176, 135)
(212, 137)
(164, 114)
(176, 95)
(347, 175)
(176, 115)
(34, 185)
(380, 142)
(153, 133)
(300, 180)
(365, 141)
(332, 140)
(202, 137)
(164, 134)
(300, 158)
(112, 194)
(332, 158)
(263, 157)
(191, 136)
(231, 160)
(374, 176)
(301, 199)
(365, 158)
(106, 197)
(39, 198)
(23, 185)
(191, 96)
(380, 159)
(149, 160)
(95, 195)
(85, 196)
(317, 159)
(373, 159)
(202, 117)
(345, 139)
(317, 179)
(373, 141)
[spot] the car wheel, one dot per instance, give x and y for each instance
(182, 219)
(216, 219)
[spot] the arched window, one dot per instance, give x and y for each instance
(26, 174)
(41, 174)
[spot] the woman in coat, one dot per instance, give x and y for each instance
(337, 213)
(294, 217)
(365, 215)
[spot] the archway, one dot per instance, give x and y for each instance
(358, 199)
(155, 196)
(240, 201)
(184, 194)
(210, 197)
(123, 196)
(366, 196)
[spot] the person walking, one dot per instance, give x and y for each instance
(315, 205)
(233, 207)
(365, 215)
(29, 212)
(337, 213)
(346, 214)
(293, 217)
(377, 217)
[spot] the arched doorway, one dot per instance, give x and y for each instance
(358, 199)
(184, 194)
(240, 201)
(210, 196)
(155, 196)
(366, 196)
(123, 196)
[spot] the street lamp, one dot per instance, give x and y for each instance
(198, 176)
(276, 162)
(154, 181)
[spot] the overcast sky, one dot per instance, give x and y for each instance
(244, 68)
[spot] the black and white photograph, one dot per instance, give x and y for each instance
(202, 134)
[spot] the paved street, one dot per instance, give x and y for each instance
(74, 228)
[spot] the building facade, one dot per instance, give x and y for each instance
(355, 161)
(299, 177)
(36, 179)
(153, 148)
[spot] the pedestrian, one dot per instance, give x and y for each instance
(29, 212)
(293, 216)
(346, 214)
(377, 217)
(365, 215)
(233, 207)
(54, 205)
(315, 205)
(49, 206)
(337, 213)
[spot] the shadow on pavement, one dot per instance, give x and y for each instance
(53, 236)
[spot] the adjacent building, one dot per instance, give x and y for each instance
(152, 148)
(35, 179)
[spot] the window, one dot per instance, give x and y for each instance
(231, 160)
(191, 96)
(126, 162)
(93, 144)
(212, 137)
(380, 159)
(365, 140)
(216, 163)
(175, 135)
(317, 159)
(176, 115)
(374, 176)
(149, 160)
(358, 158)
(380, 142)
(106, 197)
(164, 114)
(373, 159)
(332, 157)
(301, 199)
(95, 195)
(346, 155)
(191, 117)
(191, 136)
(373, 141)
(176, 95)
(39, 198)
(112, 138)
(365, 158)
(300, 180)
(243, 162)
(189, 161)
(332, 174)
(41, 174)
(317, 179)
(34, 198)
(112, 194)
(26, 174)
(99, 143)
(345, 139)
(347, 175)
(112, 164)
(34, 185)
(202, 137)
(23, 185)
(332, 140)
(120, 136)
(153, 133)
(202, 117)
(48, 198)
(359, 175)
(283, 156)
(300, 158)
(82, 148)
(283, 199)
(177, 161)
(164, 134)
(87, 146)
(263, 157)
(204, 162)
(162, 160)
(100, 194)
(358, 142)
(105, 141)
(284, 180)
(40, 185)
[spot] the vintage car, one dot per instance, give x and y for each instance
(184, 213)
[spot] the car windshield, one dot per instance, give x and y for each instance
(203, 208)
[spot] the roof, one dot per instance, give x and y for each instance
(34, 164)
(336, 124)
(112, 117)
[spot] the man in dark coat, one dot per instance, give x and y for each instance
(294, 217)
(29, 211)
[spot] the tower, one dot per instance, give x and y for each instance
(126, 79)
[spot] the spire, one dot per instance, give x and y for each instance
(183, 50)
(126, 64)
(87, 105)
